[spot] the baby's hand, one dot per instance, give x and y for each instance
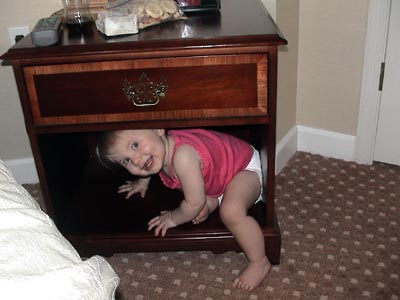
(162, 223)
(133, 187)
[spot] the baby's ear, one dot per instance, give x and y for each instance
(159, 132)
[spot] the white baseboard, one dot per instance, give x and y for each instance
(23, 170)
(315, 141)
(299, 138)
(326, 143)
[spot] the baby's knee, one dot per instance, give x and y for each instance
(230, 213)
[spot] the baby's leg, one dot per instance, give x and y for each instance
(210, 205)
(239, 195)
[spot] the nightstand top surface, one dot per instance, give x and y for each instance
(237, 23)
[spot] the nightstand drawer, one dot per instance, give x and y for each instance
(148, 89)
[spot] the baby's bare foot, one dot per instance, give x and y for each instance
(253, 275)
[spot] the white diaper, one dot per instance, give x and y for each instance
(254, 166)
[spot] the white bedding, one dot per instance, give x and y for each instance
(36, 261)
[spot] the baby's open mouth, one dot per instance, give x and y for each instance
(148, 164)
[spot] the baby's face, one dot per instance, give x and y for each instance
(141, 152)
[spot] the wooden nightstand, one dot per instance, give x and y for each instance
(215, 70)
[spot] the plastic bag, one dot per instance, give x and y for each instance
(148, 12)
(117, 23)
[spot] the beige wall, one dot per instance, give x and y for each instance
(270, 5)
(319, 71)
(13, 13)
(287, 19)
(331, 50)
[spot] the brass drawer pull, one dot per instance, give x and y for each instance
(145, 92)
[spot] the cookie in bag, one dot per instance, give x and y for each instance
(153, 12)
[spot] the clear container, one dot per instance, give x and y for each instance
(77, 16)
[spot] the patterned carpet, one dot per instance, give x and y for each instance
(340, 240)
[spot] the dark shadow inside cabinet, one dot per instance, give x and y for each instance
(84, 194)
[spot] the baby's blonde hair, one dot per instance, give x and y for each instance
(105, 144)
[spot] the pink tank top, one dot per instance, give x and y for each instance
(222, 157)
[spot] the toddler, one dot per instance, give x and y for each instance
(211, 168)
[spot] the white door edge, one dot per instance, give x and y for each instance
(374, 55)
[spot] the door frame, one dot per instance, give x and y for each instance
(374, 55)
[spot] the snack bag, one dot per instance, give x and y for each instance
(149, 12)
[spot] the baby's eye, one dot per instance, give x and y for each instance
(125, 161)
(134, 145)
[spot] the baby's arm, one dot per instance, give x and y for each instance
(187, 167)
(132, 187)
